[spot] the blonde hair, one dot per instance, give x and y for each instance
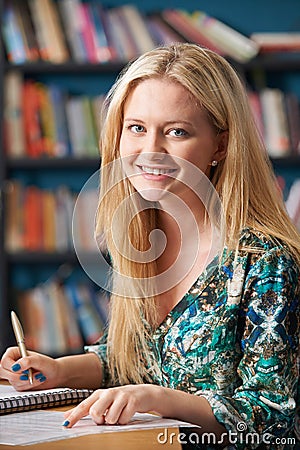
(244, 181)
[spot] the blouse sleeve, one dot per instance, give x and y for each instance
(263, 407)
(100, 348)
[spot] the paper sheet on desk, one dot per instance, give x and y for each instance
(33, 427)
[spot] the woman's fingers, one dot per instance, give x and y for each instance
(109, 406)
(73, 415)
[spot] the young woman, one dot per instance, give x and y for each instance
(204, 322)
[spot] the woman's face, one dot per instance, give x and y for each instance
(163, 131)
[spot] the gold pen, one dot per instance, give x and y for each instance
(19, 334)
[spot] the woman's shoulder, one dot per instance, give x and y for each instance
(267, 251)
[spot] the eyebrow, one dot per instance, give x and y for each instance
(168, 122)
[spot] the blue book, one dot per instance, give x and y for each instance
(15, 48)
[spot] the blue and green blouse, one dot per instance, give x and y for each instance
(234, 339)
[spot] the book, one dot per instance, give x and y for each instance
(293, 203)
(89, 321)
(293, 118)
(104, 51)
(182, 23)
(13, 114)
(13, 218)
(27, 30)
(49, 32)
(70, 15)
(161, 32)
(231, 42)
(31, 119)
(275, 122)
(135, 25)
(277, 41)
(12, 36)
(12, 401)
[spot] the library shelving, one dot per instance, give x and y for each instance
(22, 268)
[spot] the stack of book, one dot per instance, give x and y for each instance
(86, 31)
(45, 121)
(62, 317)
(40, 220)
(277, 115)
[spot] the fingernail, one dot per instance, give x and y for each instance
(24, 377)
(66, 423)
(16, 367)
(42, 379)
(39, 375)
(25, 372)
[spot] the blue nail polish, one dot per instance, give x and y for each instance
(38, 376)
(42, 379)
(66, 423)
(16, 367)
(25, 372)
(24, 377)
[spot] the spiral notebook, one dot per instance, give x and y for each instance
(12, 401)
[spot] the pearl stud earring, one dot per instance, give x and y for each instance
(214, 163)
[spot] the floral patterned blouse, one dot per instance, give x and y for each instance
(234, 339)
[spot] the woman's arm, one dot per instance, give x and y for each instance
(118, 404)
(76, 371)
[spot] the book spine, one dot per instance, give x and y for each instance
(136, 28)
(102, 49)
(13, 218)
(232, 42)
(53, 31)
(70, 14)
(183, 24)
(57, 100)
(88, 33)
(13, 114)
(39, 26)
(12, 36)
(161, 32)
(275, 123)
(33, 226)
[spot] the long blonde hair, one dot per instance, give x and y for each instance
(244, 181)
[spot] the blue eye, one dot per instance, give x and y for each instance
(178, 132)
(137, 128)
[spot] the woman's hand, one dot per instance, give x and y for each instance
(15, 369)
(116, 405)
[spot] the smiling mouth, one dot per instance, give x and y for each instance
(156, 170)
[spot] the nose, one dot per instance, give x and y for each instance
(154, 148)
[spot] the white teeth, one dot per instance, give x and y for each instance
(155, 171)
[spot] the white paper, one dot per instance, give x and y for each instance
(40, 426)
(7, 391)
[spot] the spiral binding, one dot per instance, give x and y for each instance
(44, 400)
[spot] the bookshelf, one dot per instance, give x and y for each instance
(24, 268)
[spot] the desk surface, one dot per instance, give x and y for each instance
(130, 440)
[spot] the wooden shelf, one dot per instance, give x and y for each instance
(268, 61)
(70, 67)
(94, 163)
(52, 163)
(288, 162)
(274, 61)
(27, 257)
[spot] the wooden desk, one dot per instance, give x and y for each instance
(131, 440)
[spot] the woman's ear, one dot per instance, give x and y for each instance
(222, 144)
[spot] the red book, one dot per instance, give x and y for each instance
(33, 132)
(187, 28)
(33, 225)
